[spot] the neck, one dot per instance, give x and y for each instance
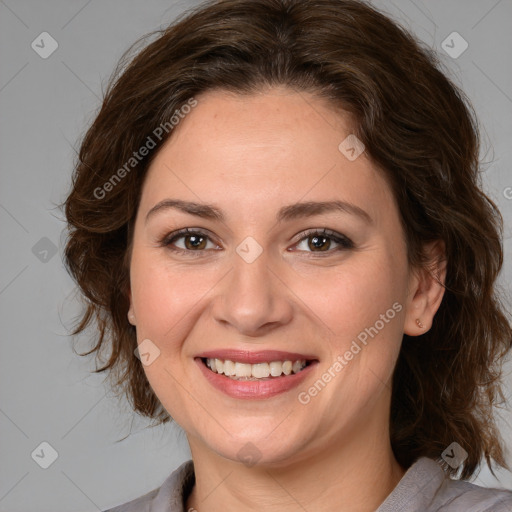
(348, 477)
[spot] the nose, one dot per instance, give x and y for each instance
(253, 300)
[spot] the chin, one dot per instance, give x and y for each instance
(253, 449)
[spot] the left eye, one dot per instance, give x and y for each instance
(322, 240)
(315, 240)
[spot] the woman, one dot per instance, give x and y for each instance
(277, 223)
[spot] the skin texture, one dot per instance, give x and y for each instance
(250, 156)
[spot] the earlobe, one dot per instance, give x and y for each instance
(428, 291)
(131, 314)
(419, 323)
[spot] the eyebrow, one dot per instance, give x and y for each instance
(286, 213)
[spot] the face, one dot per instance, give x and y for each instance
(256, 281)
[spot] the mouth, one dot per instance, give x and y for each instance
(236, 370)
(255, 374)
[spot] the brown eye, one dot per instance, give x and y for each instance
(320, 241)
(193, 241)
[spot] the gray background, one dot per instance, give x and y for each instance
(47, 393)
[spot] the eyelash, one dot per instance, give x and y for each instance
(344, 242)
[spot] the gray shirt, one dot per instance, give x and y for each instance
(425, 487)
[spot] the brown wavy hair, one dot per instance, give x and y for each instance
(419, 129)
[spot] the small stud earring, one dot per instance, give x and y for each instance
(420, 325)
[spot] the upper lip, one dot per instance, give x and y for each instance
(263, 356)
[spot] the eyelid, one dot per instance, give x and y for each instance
(343, 241)
(179, 233)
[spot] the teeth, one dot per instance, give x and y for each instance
(245, 371)
(297, 366)
(276, 368)
(260, 370)
(229, 368)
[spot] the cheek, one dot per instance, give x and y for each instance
(353, 296)
(166, 302)
(166, 298)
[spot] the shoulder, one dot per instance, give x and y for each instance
(461, 495)
(425, 487)
(140, 504)
(166, 498)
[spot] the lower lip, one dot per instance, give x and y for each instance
(254, 389)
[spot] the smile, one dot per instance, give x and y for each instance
(250, 375)
(257, 371)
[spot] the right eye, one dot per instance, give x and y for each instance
(194, 240)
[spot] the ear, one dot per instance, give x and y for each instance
(426, 290)
(131, 314)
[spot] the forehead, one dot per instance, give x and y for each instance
(261, 150)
